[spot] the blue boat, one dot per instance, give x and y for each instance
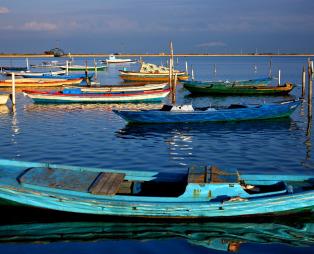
(63, 76)
(189, 114)
(203, 192)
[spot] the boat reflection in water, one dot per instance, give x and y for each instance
(216, 129)
(226, 236)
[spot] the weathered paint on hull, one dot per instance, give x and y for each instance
(115, 207)
(242, 114)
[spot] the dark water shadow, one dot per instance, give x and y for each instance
(136, 130)
(34, 225)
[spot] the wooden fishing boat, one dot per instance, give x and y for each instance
(75, 67)
(47, 64)
(77, 96)
(113, 60)
(188, 114)
(205, 192)
(151, 73)
(123, 88)
(4, 98)
(38, 82)
(29, 74)
(58, 75)
(237, 88)
(13, 68)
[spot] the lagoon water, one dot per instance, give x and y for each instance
(92, 135)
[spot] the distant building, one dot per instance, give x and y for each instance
(56, 52)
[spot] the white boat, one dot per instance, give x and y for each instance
(113, 60)
(47, 64)
(4, 98)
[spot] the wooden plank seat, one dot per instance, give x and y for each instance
(211, 174)
(106, 184)
(197, 174)
(220, 176)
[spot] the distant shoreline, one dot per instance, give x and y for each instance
(157, 55)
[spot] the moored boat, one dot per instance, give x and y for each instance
(38, 82)
(151, 73)
(75, 95)
(59, 75)
(123, 88)
(113, 60)
(189, 114)
(76, 67)
(254, 87)
(205, 192)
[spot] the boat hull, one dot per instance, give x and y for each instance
(45, 97)
(149, 77)
(63, 188)
(60, 75)
(83, 68)
(38, 82)
(222, 115)
(231, 89)
(124, 88)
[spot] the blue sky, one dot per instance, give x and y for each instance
(143, 26)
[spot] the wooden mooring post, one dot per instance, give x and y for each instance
(310, 88)
(172, 76)
(13, 89)
(303, 82)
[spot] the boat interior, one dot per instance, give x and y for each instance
(189, 108)
(161, 185)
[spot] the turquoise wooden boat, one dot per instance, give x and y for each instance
(205, 192)
(189, 114)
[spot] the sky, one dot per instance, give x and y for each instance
(144, 26)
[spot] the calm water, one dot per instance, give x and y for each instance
(91, 135)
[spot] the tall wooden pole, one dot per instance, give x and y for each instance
(174, 90)
(215, 70)
(310, 72)
(171, 73)
(186, 68)
(95, 66)
(270, 68)
(303, 82)
(170, 68)
(67, 67)
(13, 88)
